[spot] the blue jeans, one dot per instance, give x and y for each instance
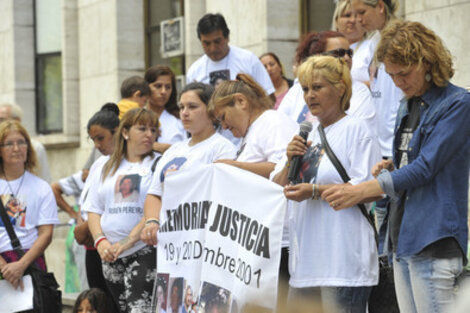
(425, 284)
(333, 299)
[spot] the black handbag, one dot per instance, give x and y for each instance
(47, 298)
(383, 298)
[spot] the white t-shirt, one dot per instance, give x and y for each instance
(266, 141)
(72, 185)
(362, 59)
(237, 61)
(267, 138)
(328, 247)
(387, 100)
(95, 170)
(120, 214)
(34, 205)
(171, 129)
(362, 105)
(183, 156)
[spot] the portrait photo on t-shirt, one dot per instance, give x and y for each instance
(16, 210)
(127, 188)
(217, 77)
(310, 163)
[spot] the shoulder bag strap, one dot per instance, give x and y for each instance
(154, 164)
(15, 242)
(344, 175)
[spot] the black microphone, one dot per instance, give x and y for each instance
(296, 162)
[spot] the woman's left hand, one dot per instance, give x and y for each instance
(119, 247)
(298, 192)
(13, 273)
(341, 196)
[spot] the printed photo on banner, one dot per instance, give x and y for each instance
(127, 188)
(16, 210)
(160, 292)
(214, 299)
(175, 295)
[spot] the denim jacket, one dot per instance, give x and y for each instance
(437, 175)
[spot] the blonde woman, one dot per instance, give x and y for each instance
(333, 257)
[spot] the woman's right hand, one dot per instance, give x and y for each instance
(149, 234)
(384, 164)
(298, 146)
(104, 250)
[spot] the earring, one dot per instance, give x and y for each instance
(125, 137)
(427, 77)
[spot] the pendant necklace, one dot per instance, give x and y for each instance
(9, 186)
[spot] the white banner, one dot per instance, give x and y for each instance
(219, 241)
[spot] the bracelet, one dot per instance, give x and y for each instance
(99, 240)
(152, 220)
(287, 164)
(315, 195)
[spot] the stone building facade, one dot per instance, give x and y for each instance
(60, 60)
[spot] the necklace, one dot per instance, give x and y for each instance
(9, 186)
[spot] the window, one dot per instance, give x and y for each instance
(47, 15)
(316, 15)
(155, 12)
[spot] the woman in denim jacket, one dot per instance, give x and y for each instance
(428, 179)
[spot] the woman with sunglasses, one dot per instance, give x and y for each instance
(334, 44)
(29, 204)
(115, 222)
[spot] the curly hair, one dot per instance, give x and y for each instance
(409, 43)
(332, 69)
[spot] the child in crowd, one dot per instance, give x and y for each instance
(135, 92)
(93, 300)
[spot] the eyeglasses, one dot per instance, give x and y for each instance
(339, 53)
(11, 144)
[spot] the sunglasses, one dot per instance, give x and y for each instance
(339, 53)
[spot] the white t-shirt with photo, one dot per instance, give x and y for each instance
(237, 61)
(33, 205)
(171, 129)
(328, 247)
(119, 208)
(183, 156)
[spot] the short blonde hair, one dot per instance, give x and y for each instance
(341, 6)
(333, 70)
(409, 43)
